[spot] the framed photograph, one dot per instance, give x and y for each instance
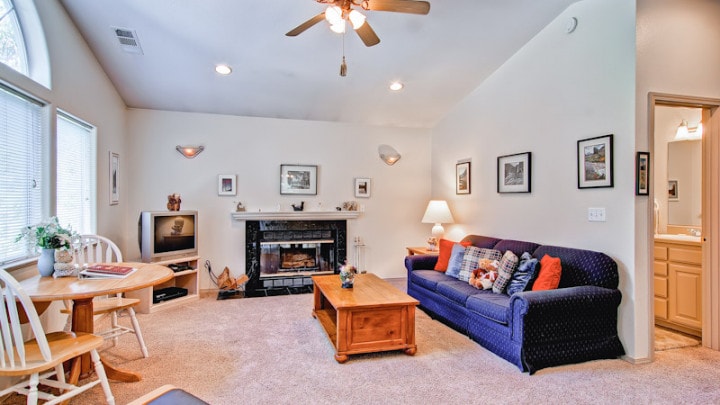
(514, 173)
(642, 173)
(227, 184)
(362, 187)
(462, 178)
(673, 192)
(595, 162)
(298, 179)
(114, 180)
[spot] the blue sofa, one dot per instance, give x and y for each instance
(532, 329)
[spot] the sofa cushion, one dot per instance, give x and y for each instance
(550, 273)
(427, 278)
(456, 291)
(456, 257)
(524, 275)
(445, 249)
(507, 267)
(490, 305)
(471, 258)
(582, 267)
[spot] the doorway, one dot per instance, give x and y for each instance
(686, 291)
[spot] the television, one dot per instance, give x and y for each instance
(165, 234)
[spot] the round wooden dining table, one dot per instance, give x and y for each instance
(44, 290)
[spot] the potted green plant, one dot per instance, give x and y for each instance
(48, 236)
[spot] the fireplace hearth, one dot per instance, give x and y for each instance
(282, 256)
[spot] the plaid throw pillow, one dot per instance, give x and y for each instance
(508, 264)
(471, 258)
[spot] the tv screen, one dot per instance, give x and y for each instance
(167, 233)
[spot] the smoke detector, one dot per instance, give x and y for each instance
(128, 40)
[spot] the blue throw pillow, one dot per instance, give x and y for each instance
(456, 257)
(523, 275)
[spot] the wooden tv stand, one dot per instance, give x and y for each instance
(186, 279)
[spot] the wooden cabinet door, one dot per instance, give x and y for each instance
(685, 295)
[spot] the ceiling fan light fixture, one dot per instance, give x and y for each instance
(334, 15)
(357, 19)
(338, 27)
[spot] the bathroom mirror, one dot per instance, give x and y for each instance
(684, 177)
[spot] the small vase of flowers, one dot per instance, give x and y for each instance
(347, 275)
(48, 236)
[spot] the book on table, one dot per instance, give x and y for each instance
(107, 271)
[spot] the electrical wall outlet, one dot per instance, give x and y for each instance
(596, 214)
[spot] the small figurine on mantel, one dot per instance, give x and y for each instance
(298, 207)
(240, 207)
(173, 203)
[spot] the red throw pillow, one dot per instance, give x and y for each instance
(550, 272)
(445, 249)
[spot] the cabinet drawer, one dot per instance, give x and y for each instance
(660, 268)
(661, 287)
(661, 308)
(661, 252)
(685, 255)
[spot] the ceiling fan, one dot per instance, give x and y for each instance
(339, 12)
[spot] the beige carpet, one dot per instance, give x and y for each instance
(666, 339)
(271, 351)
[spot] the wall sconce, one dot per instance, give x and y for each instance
(686, 132)
(438, 213)
(190, 151)
(388, 154)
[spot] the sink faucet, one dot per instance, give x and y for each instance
(694, 232)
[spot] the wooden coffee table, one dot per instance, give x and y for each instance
(372, 317)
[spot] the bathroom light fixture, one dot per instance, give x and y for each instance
(190, 151)
(223, 69)
(686, 132)
(388, 154)
(438, 213)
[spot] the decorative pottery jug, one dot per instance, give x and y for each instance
(46, 262)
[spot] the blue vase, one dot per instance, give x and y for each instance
(46, 262)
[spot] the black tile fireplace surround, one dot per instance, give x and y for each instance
(267, 277)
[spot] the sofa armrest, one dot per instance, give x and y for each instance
(565, 314)
(420, 262)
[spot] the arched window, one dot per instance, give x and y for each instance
(12, 43)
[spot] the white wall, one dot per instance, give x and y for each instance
(558, 89)
(677, 53)
(254, 148)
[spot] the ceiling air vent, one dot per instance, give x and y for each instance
(128, 40)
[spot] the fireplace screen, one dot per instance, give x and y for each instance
(296, 257)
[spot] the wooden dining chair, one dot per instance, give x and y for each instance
(42, 357)
(99, 249)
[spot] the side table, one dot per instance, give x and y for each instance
(421, 251)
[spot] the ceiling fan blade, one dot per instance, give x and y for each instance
(307, 24)
(399, 6)
(368, 35)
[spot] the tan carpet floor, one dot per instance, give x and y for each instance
(272, 351)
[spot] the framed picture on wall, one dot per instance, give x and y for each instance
(514, 174)
(362, 187)
(642, 173)
(298, 179)
(673, 191)
(462, 178)
(114, 173)
(227, 184)
(595, 162)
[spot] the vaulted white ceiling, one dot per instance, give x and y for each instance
(440, 57)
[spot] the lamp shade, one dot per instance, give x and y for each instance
(438, 212)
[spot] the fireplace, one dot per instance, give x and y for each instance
(282, 256)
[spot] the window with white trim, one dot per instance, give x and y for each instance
(21, 177)
(76, 173)
(12, 43)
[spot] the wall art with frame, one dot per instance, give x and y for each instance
(362, 187)
(227, 184)
(514, 173)
(298, 179)
(114, 177)
(595, 162)
(462, 178)
(673, 190)
(642, 173)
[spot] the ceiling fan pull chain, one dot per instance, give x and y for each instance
(343, 65)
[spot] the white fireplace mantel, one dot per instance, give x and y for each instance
(293, 215)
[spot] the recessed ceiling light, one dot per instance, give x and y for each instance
(395, 86)
(223, 69)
